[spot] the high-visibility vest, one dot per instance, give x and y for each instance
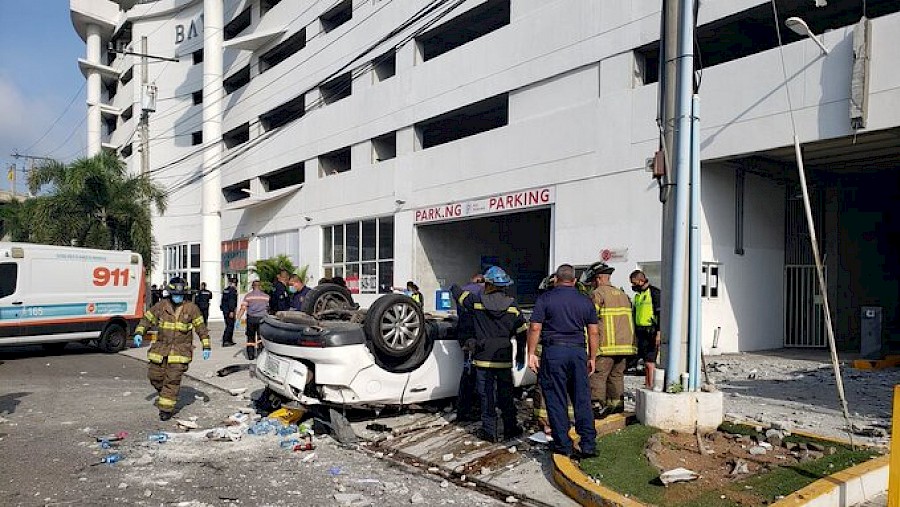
(616, 323)
(643, 309)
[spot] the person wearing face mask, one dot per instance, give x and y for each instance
(172, 349)
(646, 308)
(297, 291)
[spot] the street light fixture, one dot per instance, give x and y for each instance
(801, 28)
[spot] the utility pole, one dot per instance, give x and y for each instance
(31, 160)
(145, 112)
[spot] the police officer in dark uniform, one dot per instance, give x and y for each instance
(229, 307)
(202, 299)
(558, 322)
(281, 298)
(497, 319)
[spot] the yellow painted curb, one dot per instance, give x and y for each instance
(828, 484)
(607, 425)
(575, 483)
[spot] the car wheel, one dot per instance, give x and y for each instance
(113, 339)
(327, 296)
(396, 325)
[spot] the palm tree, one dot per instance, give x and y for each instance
(15, 220)
(95, 203)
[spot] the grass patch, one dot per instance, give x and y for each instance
(622, 466)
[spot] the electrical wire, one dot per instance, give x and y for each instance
(415, 18)
(322, 100)
(55, 121)
(839, 383)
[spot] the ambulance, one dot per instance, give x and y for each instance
(53, 295)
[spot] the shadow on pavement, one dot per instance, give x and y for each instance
(9, 402)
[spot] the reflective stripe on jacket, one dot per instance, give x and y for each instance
(616, 322)
(174, 340)
(496, 319)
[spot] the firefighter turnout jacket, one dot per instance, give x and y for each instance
(496, 319)
(616, 322)
(176, 326)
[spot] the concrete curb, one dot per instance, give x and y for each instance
(845, 488)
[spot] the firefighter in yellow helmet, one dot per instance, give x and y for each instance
(172, 350)
(616, 340)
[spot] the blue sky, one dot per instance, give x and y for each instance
(39, 75)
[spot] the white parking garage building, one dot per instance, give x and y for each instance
(394, 140)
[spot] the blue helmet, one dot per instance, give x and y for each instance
(496, 276)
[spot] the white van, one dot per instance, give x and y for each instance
(53, 295)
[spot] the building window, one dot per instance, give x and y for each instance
(126, 77)
(237, 80)
(337, 161)
(182, 260)
(109, 122)
(284, 114)
(337, 16)
(464, 122)
(281, 243)
(362, 252)
(282, 51)
(337, 88)
(197, 97)
(127, 113)
(9, 272)
(475, 23)
(197, 56)
(111, 88)
(236, 136)
(282, 178)
(266, 5)
(709, 280)
(126, 151)
(196, 138)
(238, 24)
(384, 147)
(237, 191)
(384, 67)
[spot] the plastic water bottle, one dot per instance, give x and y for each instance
(260, 428)
(104, 444)
(112, 458)
(289, 443)
(290, 429)
(158, 437)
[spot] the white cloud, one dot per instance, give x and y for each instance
(24, 119)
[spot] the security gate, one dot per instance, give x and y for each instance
(804, 318)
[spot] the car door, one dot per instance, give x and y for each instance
(11, 301)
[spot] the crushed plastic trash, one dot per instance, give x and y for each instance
(158, 437)
(290, 443)
(308, 458)
(334, 471)
(237, 391)
(238, 418)
(227, 434)
(109, 459)
(115, 437)
(678, 475)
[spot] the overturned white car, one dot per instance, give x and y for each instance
(333, 353)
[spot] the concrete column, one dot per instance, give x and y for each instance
(94, 132)
(406, 56)
(213, 104)
(361, 156)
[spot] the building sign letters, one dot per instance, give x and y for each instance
(495, 204)
(193, 30)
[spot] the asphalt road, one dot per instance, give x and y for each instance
(53, 405)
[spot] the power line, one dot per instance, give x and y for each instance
(54, 122)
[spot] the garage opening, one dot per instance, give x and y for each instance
(452, 252)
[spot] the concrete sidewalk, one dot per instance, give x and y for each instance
(205, 371)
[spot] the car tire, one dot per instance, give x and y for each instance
(395, 324)
(327, 296)
(113, 339)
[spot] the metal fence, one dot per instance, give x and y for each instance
(804, 319)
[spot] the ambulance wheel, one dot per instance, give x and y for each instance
(327, 296)
(113, 339)
(395, 324)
